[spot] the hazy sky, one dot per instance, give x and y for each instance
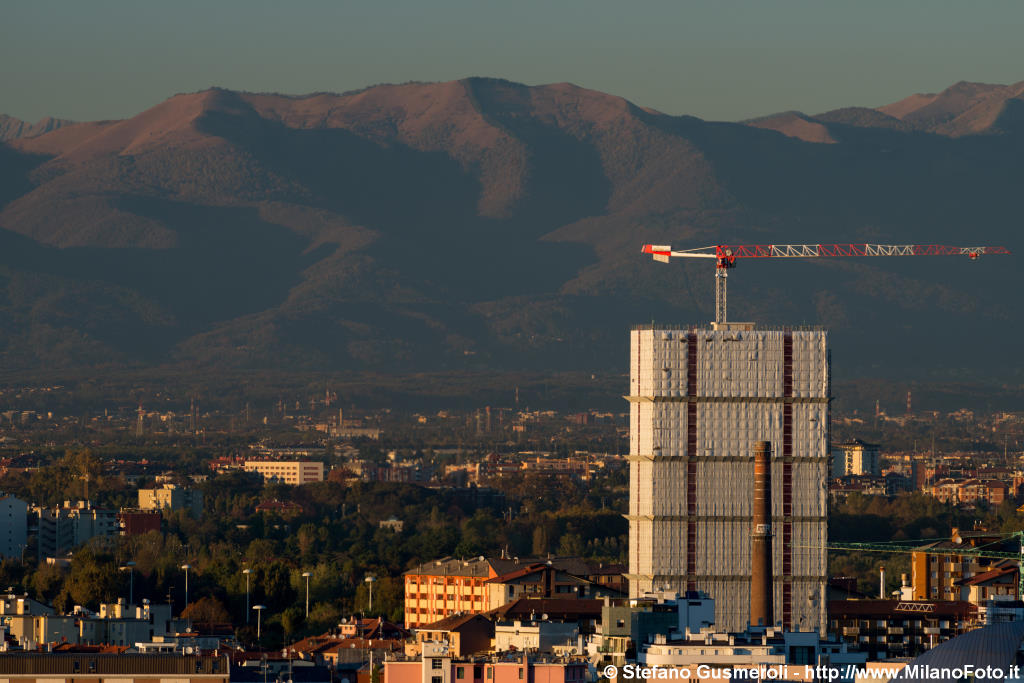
(717, 59)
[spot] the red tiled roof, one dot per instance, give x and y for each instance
(451, 622)
(519, 573)
(92, 649)
(1000, 571)
(563, 608)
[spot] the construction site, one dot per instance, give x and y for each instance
(705, 403)
(699, 400)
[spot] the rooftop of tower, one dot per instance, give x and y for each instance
(747, 326)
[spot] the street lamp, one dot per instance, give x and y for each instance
(247, 572)
(307, 575)
(186, 567)
(259, 610)
(130, 567)
(369, 580)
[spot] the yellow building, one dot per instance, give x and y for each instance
(295, 473)
(172, 497)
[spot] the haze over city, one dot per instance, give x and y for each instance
(352, 342)
(716, 60)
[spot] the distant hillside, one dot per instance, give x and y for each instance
(12, 128)
(961, 109)
(485, 224)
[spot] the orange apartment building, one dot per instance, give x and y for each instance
(441, 588)
(939, 571)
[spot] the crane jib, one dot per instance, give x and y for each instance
(834, 250)
(726, 255)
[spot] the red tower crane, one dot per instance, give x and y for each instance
(725, 256)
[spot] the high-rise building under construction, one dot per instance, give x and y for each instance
(699, 401)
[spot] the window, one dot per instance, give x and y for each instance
(801, 655)
(490, 673)
(436, 679)
(520, 673)
(435, 664)
(460, 672)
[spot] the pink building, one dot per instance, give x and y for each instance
(436, 665)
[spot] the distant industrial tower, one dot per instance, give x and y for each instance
(699, 401)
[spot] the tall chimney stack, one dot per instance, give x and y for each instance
(761, 612)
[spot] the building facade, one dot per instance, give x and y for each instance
(63, 528)
(171, 497)
(29, 667)
(699, 400)
(856, 457)
(435, 590)
(439, 665)
(439, 589)
(13, 526)
(897, 628)
(295, 473)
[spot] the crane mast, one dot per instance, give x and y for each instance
(725, 257)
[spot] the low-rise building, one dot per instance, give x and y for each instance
(171, 497)
(438, 589)
(115, 624)
(106, 666)
(537, 636)
(295, 472)
(464, 634)
(542, 580)
(786, 654)
(626, 624)
(897, 628)
(136, 522)
(998, 583)
(438, 664)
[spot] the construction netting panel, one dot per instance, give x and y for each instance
(702, 415)
(724, 547)
(669, 546)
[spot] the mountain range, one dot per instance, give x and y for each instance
(484, 224)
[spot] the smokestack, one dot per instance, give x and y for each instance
(881, 582)
(761, 612)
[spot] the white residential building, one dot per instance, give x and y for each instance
(856, 457)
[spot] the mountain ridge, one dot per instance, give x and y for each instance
(482, 223)
(12, 128)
